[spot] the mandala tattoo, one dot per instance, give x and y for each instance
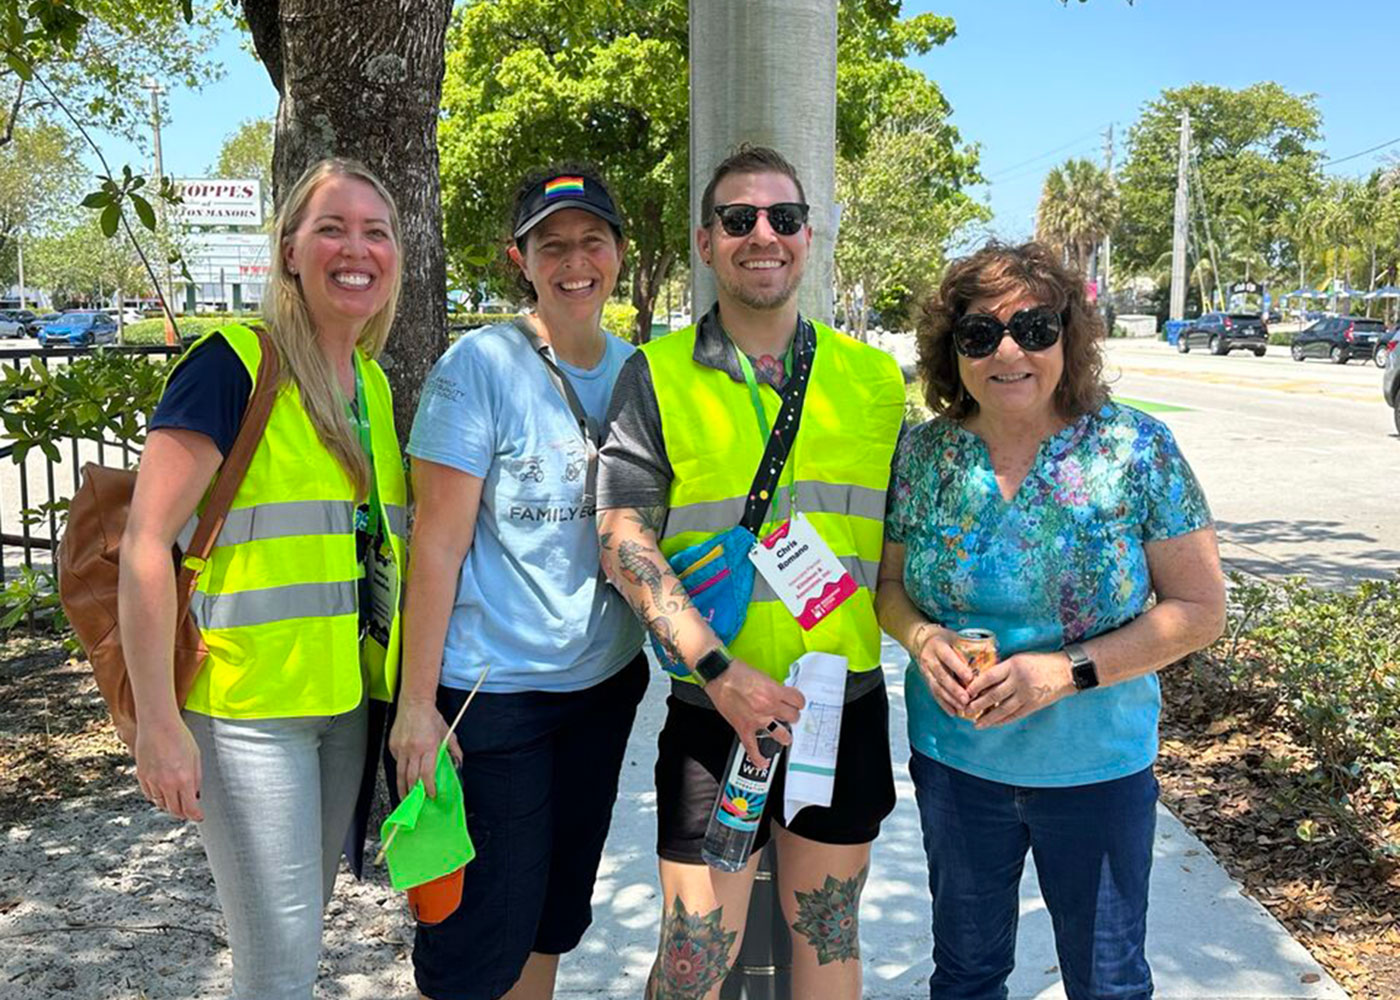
(827, 918)
(694, 955)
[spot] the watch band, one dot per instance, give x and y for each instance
(713, 663)
(1083, 670)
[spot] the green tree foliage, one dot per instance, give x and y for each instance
(606, 81)
(79, 265)
(247, 154)
(40, 177)
(1254, 150)
(1078, 208)
(902, 203)
(96, 55)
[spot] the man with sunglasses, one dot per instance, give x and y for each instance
(755, 416)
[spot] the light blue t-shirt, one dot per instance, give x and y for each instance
(531, 600)
(1064, 560)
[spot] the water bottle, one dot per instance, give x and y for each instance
(739, 806)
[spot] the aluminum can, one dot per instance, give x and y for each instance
(978, 647)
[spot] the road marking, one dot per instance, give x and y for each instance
(1149, 406)
(1292, 387)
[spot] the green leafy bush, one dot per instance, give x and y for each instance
(1327, 664)
(620, 319)
(152, 331)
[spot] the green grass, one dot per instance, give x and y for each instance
(1149, 407)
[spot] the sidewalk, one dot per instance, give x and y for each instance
(1206, 941)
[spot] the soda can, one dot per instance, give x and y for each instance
(978, 647)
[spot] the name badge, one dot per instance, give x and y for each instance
(803, 571)
(383, 591)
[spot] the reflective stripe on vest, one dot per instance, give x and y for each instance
(246, 608)
(714, 516)
(291, 519)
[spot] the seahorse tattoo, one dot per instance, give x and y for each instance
(829, 918)
(694, 955)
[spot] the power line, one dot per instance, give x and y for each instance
(1354, 156)
(1035, 159)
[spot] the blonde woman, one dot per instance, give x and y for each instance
(298, 603)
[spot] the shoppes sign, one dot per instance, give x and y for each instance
(220, 202)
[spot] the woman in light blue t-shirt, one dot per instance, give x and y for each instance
(1073, 529)
(504, 573)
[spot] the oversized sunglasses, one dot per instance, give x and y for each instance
(786, 217)
(978, 335)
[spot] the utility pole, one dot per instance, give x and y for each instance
(19, 249)
(1108, 237)
(744, 87)
(153, 85)
(1179, 221)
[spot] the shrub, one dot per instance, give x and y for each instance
(152, 331)
(1327, 663)
(620, 319)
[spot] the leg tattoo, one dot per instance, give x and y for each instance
(827, 918)
(694, 955)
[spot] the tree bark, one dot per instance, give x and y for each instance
(363, 79)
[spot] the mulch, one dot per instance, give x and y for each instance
(1246, 788)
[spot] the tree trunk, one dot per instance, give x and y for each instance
(365, 81)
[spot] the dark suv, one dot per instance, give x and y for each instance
(1339, 338)
(1222, 332)
(1390, 386)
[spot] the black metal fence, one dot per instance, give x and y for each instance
(38, 480)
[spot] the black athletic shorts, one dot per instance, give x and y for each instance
(693, 750)
(539, 777)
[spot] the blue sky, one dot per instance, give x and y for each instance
(1032, 81)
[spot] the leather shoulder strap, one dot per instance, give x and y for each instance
(234, 467)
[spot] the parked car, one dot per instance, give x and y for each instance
(27, 320)
(128, 314)
(1385, 347)
(10, 329)
(84, 328)
(1390, 387)
(1339, 338)
(1222, 332)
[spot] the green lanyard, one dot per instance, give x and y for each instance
(359, 417)
(765, 428)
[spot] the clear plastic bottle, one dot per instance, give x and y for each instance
(739, 806)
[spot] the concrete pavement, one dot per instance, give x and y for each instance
(1206, 940)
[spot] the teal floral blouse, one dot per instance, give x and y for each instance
(1064, 560)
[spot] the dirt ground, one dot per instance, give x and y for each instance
(103, 898)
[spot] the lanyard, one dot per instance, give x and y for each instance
(359, 417)
(764, 428)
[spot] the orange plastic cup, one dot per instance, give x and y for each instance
(435, 901)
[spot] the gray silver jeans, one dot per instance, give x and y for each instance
(278, 795)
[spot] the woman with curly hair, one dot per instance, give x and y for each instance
(1072, 528)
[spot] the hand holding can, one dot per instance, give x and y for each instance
(978, 646)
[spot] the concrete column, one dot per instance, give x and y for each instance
(764, 71)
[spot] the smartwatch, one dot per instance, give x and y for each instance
(1083, 670)
(713, 663)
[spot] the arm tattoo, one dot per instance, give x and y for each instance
(653, 519)
(829, 918)
(694, 955)
(637, 569)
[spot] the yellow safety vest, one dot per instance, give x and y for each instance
(839, 465)
(278, 600)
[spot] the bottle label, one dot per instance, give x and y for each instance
(745, 794)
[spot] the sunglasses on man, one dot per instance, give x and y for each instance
(978, 335)
(785, 217)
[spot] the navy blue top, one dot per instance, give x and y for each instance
(207, 393)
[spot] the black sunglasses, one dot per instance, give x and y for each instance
(786, 217)
(978, 335)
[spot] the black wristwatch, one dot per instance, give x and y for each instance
(713, 663)
(1083, 670)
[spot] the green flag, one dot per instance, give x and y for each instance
(432, 840)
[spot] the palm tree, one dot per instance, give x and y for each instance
(1078, 208)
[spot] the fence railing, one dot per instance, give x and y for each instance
(37, 479)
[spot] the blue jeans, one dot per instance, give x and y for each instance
(1093, 853)
(278, 795)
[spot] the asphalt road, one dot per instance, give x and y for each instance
(1300, 461)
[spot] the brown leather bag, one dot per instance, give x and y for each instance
(90, 551)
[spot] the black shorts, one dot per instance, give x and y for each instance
(539, 779)
(693, 750)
